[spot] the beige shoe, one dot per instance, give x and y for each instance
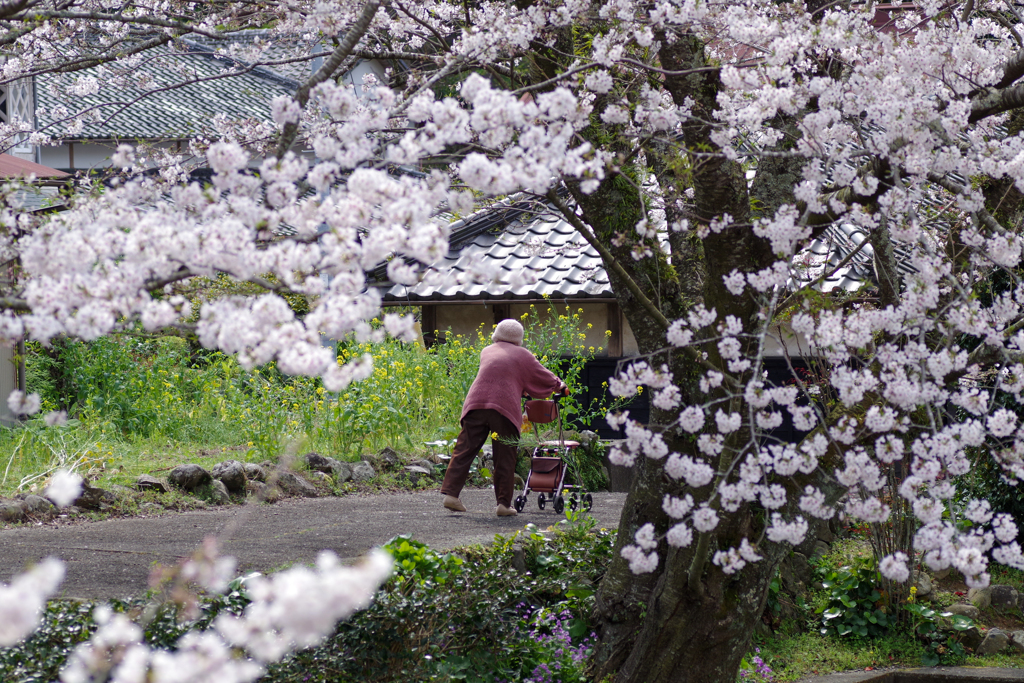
(506, 511)
(454, 504)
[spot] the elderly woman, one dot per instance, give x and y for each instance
(507, 373)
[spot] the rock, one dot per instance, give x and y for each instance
(428, 465)
(121, 491)
(220, 493)
(923, 583)
(820, 549)
(415, 474)
(254, 472)
(980, 597)
(519, 558)
(1004, 596)
(363, 471)
(151, 507)
(294, 485)
(969, 611)
(342, 471)
(11, 511)
(942, 573)
(147, 482)
(796, 573)
(387, 458)
(762, 629)
(971, 638)
(1017, 641)
(37, 505)
(320, 477)
(189, 477)
(232, 474)
(94, 498)
(488, 451)
(995, 641)
(317, 462)
(261, 492)
(518, 483)
(825, 533)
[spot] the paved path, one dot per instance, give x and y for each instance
(113, 558)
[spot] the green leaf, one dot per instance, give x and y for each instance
(578, 628)
(582, 592)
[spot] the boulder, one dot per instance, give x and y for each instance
(1017, 641)
(971, 638)
(11, 511)
(416, 474)
(980, 597)
(318, 463)
(294, 485)
(362, 472)
(38, 506)
(519, 558)
(1004, 596)
(518, 483)
(942, 573)
(147, 482)
(969, 611)
(424, 463)
(189, 477)
(220, 493)
(94, 498)
(796, 573)
(387, 458)
(995, 641)
(342, 471)
(254, 472)
(122, 492)
(232, 474)
(923, 583)
(820, 549)
(261, 492)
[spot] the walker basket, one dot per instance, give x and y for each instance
(541, 412)
(546, 474)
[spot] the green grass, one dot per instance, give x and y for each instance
(140, 405)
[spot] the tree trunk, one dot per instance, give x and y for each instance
(698, 637)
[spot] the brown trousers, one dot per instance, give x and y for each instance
(477, 425)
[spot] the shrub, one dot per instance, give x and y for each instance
(855, 605)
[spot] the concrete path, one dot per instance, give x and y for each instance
(114, 558)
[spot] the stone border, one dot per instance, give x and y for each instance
(938, 674)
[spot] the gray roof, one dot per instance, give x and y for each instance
(165, 111)
(513, 238)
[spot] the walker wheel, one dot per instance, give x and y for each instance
(588, 502)
(559, 504)
(519, 503)
(541, 501)
(573, 501)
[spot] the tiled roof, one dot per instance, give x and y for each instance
(514, 239)
(164, 111)
(292, 51)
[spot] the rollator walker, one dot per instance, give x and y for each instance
(549, 464)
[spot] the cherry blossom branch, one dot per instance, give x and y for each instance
(330, 65)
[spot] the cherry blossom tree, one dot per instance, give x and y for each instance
(704, 146)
